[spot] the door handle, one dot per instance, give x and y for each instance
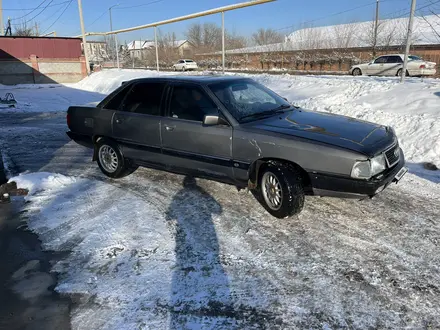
(118, 121)
(170, 128)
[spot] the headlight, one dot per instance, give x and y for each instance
(378, 165)
(361, 170)
(367, 168)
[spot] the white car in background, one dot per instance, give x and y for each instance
(392, 64)
(183, 65)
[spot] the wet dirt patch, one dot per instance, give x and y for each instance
(27, 296)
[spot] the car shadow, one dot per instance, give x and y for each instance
(437, 94)
(420, 170)
(200, 285)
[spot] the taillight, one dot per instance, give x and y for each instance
(423, 66)
(68, 120)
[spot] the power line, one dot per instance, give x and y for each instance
(407, 12)
(97, 19)
(23, 9)
(335, 14)
(17, 18)
(30, 20)
(136, 6)
(58, 17)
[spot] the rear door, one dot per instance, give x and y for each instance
(136, 124)
(394, 63)
(186, 142)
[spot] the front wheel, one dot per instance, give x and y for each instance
(111, 161)
(183, 69)
(356, 72)
(281, 190)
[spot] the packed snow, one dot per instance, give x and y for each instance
(159, 250)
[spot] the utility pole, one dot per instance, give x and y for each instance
(408, 41)
(157, 51)
(2, 27)
(83, 32)
(223, 41)
(116, 40)
(376, 26)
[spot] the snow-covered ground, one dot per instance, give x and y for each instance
(157, 250)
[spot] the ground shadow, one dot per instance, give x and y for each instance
(200, 285)
(420, 170)
(437, 94)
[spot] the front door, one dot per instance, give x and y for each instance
(377, 68)
(136, 124)
(189, 144)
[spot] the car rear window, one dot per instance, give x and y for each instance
(189, 61)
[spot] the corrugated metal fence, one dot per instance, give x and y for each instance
(42, 47)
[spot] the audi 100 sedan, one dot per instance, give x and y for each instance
(237, 131)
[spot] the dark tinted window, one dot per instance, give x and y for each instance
(116, 99)
(381, 60)
(394, 59)
(191, 103)
(144, 98)
(189, 61)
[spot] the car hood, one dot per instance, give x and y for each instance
(341, 131)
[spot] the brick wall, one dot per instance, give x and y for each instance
(339, 60)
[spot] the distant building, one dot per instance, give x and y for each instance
(139, 48)
(97, 51)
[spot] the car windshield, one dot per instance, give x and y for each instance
(247, 100)
(414, 58)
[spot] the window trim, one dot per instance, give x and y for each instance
(162, 98)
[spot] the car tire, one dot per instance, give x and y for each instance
(356, 72)
(111, 160)
(183, 69)
(280, 190)
(399, 73)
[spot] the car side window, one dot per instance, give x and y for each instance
(144, 98)
(181, 61)
(191, 103)
(381, 60)
(116, 100)
(394, 59)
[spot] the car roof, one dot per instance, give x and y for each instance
(199, 79)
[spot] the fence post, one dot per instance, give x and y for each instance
(35, 68)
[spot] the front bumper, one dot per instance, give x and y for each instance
(337, 186)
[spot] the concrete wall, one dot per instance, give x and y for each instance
(40, 71)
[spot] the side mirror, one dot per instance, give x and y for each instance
(212, 120)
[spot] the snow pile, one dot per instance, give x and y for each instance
(35, 182)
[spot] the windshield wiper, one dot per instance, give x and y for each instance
(271, 112)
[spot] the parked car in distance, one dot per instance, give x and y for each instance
(184, 65)
(237, 131)
(392, 65)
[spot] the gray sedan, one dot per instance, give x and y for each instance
(237, 131)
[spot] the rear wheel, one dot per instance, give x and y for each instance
(399, 73)
(281, 190)
(357, 72)
(183, 69)
(111, 161)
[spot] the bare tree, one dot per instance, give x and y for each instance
(266, 37)
(208, 38)
(24, 30)
(343, 35)
(432, 19)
